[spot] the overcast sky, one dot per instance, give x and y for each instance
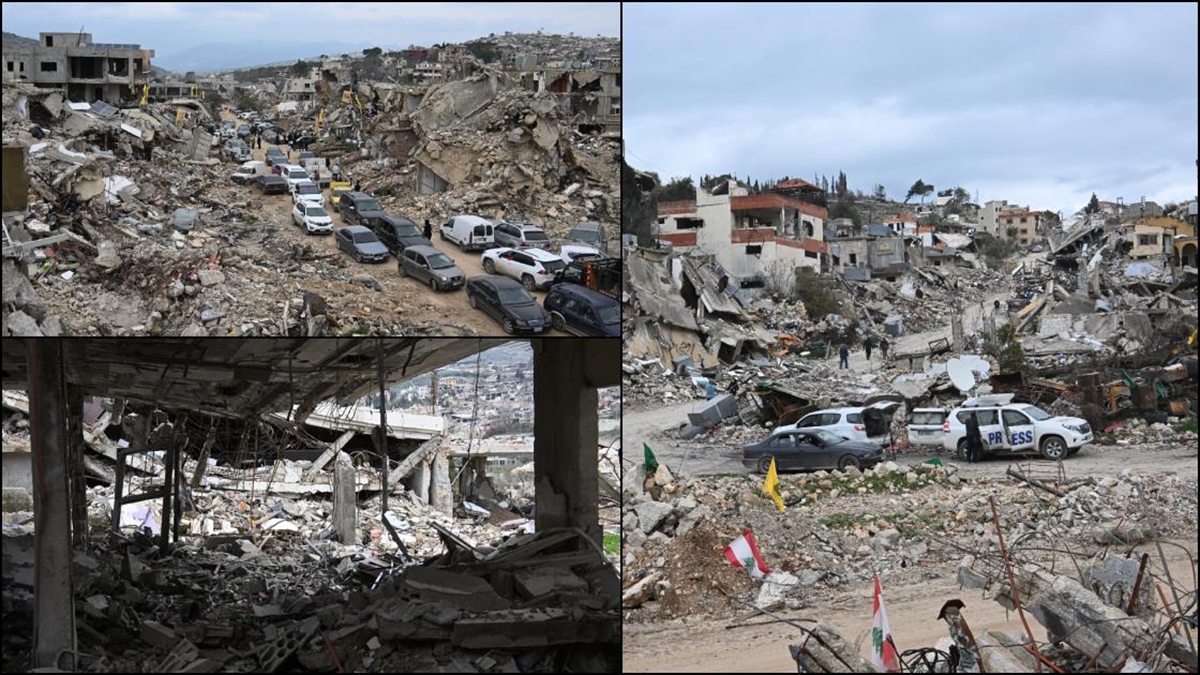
(1039, 105)
(170, 28)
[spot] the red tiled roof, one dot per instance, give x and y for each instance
(794, 183)
(771, 200)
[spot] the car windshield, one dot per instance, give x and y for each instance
(439, 261)
(536, 235)
(315, 212)
(554, 265)
(609, 315)
(827, 437)
(369, 205)
(1036, 412)
(514, 296)
(407, 230)
(585, 235)
(366, 237)
(308, 189)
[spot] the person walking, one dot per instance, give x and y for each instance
(428, 231)
(868, 345)
(883, 347)
(974, 439)
(356, 185)
(844, 357)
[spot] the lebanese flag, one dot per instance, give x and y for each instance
(883, 649)
(743, 552)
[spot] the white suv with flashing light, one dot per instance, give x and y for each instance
(1008, 427)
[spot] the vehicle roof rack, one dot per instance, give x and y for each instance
(988, 400)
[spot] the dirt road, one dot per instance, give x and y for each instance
(400, 297)
(707, 646)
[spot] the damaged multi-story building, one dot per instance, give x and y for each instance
(750, 235)
(85, 71)
(225, 512)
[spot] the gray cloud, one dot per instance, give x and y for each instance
(1037, 104)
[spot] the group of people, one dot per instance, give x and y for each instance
(868, 347)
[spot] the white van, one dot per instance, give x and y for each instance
(471, 233)
(247, 172)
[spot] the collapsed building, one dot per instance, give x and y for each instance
(123, 221)
(220, 512)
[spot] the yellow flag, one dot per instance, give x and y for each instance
(771, 487)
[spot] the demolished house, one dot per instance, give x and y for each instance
(227, 507)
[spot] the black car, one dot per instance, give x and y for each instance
(575, 309)
(360, 208)
(361, 243)
(271, 184)
(506, 301)
(302, 142)
(809, 449)
(276, 156)
(398, 233)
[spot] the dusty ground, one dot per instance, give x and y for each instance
(400, 296)
(708, 646)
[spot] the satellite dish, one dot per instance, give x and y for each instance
(960, 375)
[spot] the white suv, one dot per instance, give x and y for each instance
(533, 267)
(1008, 427)
(869, 424)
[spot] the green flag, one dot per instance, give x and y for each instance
(651, 462)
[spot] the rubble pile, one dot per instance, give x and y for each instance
(505, 152)
(842, 527)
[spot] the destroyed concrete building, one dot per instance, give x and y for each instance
(93, 244)
(81, 69)
(220, 517)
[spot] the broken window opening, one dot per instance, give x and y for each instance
(755, 249)
(689, 223)
(49, 66)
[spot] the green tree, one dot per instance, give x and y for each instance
(880, 192)
(919, 188)
(301, 68)
(373, 52)
(678, 188)
(820, 300)
(843, 208)
(1093, 205)
(484, 51)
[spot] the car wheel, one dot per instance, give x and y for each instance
(401, 270)
(1053, 448)
(358, 257)
(443, 235)
(489, 266)
(557, 321)
(434, 285)
(961, 452)
(849, 461)
(509, 328)
(528, 282)
(764, 464)
(473, 301)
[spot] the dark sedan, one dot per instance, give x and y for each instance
(361, 243)
(271, 185)
(398, 233)
(506, 301)
(810, 449)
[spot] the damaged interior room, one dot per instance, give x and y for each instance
(311, 505)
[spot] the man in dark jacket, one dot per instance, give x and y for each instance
(883, 347)
(868, 345)
(428, 231)
(844, 357)
(974, 439)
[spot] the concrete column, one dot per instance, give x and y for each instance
(441, 496)
(565, 438)
(78, 497)
(344, 505)
(420, 482)
(53, 609)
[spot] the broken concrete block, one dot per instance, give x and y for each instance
(535, 581)
(461, 590)
(158, 635)
(517, 628)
